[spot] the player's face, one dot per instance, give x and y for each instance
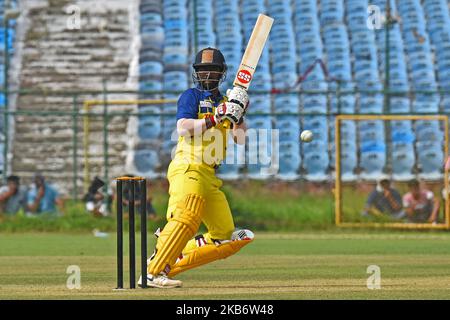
(385, 184)
(13, 185)
(415, 191)
(209, 77)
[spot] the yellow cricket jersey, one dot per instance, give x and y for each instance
(208, 148)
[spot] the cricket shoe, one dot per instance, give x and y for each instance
(242, 234)
(160, 281)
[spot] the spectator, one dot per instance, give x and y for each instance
(384, 200)
(95, 200)
(42, 197)
(12, 196)
(420, 204)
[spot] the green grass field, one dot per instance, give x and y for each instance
(319, 265)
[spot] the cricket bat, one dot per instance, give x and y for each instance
(252, 54)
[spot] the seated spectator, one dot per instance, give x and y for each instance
(12, 196)
(95, 200)
(384, 200)
(420, 204)
(43, 197)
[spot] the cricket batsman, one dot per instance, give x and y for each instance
(195, 195)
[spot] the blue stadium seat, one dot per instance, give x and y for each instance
(430, 135)
(402, 165)
(286, 102)
(344, 105)
(427, 124)
(371, 145)
(316, 165)
(445, 104)
(316, 123)
(153, 33)
(314, 99)
(289, 161)
(259, 155)
(405, 135)
(315, 146)
(347, 130)
(314, 86)
(259, 122)
(284, 79)
(175, 80)
(260, 103)
(371, 125)
(399, 105)
(286, 134)
(228, 172)
(150, 86)
(331, 12)
(288, 123)
(149, 128)
(429, 145)
(405, 147)
(169, 129)
(372, 164)
(233, 162)
(349, 162)
(150, 68)
(401, 125)
(146, 161)
(347, 145)
(431, 162)
(424, 106)
(175, 58)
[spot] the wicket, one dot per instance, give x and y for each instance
(132, 183)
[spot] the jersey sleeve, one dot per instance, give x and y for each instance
(187, 106)
(371, 199)
(397, 196)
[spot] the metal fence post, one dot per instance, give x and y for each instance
(338, 95)
(5, 88)
(75, 147)
(387, 90)
(105, 136)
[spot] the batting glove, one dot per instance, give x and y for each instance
(239, 96)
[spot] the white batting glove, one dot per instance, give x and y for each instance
(239, 96)
(229, 110)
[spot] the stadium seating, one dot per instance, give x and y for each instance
(402, 165)
(146, 160)
(335, 32)
(430, 162)
(289, 160)
(234, 160)
(372, 164)
(6, 37)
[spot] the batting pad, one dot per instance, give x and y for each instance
(176, 233)
(206, 254)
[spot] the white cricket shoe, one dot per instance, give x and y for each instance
(242, 234)
(161, 281)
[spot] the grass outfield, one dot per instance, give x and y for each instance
(320, 265)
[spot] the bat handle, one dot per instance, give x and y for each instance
(226, 124)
